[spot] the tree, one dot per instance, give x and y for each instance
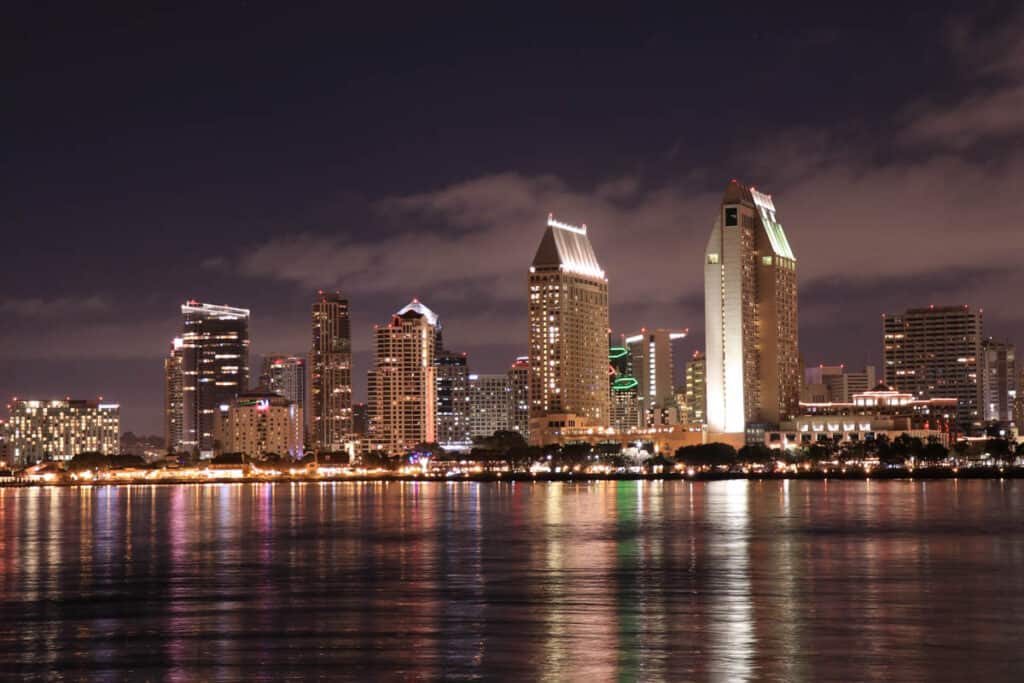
(934, 453)
(706, 455)
(756, 454)
(127, 460)
(90, 460)
(999, 449)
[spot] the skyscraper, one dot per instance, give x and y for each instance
(999, 380)
(625, 395)
(750, 313)
(519, 403)
(174, 399)
(330, 419)
(452, 377)
(935, 352)
(651, 362)
(215, 367)
(568, 318)
(490, 405)
(286, 376)
(696, 388)
(402, 386)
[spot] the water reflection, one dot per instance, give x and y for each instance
(607, 580)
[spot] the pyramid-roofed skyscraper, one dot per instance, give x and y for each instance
(568, 318)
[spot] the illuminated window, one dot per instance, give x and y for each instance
(712, 258)
(766, 260)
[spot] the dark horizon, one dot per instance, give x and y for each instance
(250, 156)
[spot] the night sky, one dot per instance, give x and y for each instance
(250, 155)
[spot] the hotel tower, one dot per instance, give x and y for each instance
(568, 317)
(750, 315)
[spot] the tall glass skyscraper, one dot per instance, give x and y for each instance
(215, 367)
(568, 318)
(750, 314)
(453, 406)
(174, 399)
(330, 420)
(286, 376)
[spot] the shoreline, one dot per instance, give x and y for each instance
(854, 474)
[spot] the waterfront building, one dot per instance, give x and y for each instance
(285, 376)
(696, 388)
(490, 400)
(453, 399)
(360, 420)
(824, 383)
(330, 415)
(258, 423)
(626, 413)
(402, 386)
(750, 311)
(61, 429)
(568, 330)
(174, 397)
(999, 380)
(215, 367)
(650, 353)
(936, 351)
(519, 400)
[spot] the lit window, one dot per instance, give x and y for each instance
(712, 258)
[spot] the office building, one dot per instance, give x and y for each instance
(215, 367)
(402, 386)
(174, 397)
(258, 423)
(750, 313)
(490, 400)
(519, 400)
(834, 383)
(999, 380)
(453, 402)
(285, 376)
(568, 335)
(330, 417)
(61, 429)
(625, 409)
(650, 353)
(936, 351)
(696, 388)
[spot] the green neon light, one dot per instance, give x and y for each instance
(617, 352)
(625, 384)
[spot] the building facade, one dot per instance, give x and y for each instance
(453, 401)
(696, 388)
(286, 376)
(750, 311)
(998, 380)
(215, 367)
(626, 413)
(60, 430)
(568, 333)
(490, 400)
(174, 397)
(824, 383)
(651, 362)
(330, 402)
(402, 387)
(519, 389)
(936, 351)
(259, 423)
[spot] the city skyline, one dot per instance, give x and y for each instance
(919, 169)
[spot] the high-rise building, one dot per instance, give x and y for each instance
(490, 405)
(519, 403)
(285, 376)
(568, 318)
(258, 423)
(935, 352)
(453, 403)
(215, 367)
(330, 418)
(624, 387)
(834, 384)
(999, 380)
(650, 354)
(402, 386)
(696, 388)
(60, 430)
(174, 397)
(750, 312)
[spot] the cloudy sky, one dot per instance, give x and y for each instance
(250, 156)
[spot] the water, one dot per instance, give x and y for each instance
(729, 581)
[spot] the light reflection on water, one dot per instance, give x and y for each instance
(722, 581)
